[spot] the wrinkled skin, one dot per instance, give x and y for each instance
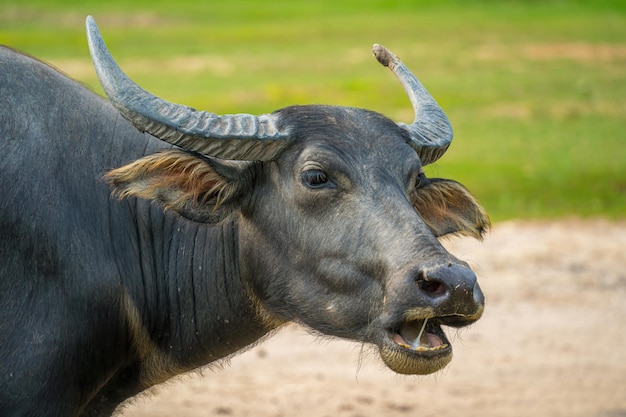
(199, 257)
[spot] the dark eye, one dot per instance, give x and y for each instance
(421, 180)
(314, 178)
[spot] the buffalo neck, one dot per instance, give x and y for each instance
(190, 297)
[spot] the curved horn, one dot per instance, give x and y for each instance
(430, 132)
(239, 136)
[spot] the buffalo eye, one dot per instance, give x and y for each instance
(421, 180)
(315, 178)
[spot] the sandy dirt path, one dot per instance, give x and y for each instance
(552, 342)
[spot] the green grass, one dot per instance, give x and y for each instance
(536, 90)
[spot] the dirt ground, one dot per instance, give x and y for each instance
(552, 342)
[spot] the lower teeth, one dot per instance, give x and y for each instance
(425, 348)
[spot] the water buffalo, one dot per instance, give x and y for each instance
(143, 239)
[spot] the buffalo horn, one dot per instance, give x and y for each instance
(430, 132)
(240, 136)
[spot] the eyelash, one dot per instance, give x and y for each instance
(314, 178)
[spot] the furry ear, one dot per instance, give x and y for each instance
(192, 185)
(447, 207)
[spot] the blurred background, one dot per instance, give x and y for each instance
(535, 90)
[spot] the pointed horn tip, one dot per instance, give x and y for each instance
(90, 23)
(93, 33)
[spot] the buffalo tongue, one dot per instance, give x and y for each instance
(413, 335)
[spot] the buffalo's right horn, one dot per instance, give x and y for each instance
(240, 136)
(430, 132)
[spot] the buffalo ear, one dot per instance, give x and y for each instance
(447, 207)
(197, 187)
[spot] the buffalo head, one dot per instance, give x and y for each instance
(338, 226)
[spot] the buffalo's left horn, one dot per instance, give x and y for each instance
(430, 132)
(239, 136)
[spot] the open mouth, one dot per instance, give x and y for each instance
(420, 336)
(416, 347)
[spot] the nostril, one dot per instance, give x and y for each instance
(449, 290)
(431, 287)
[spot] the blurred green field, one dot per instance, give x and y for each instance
(536, 90)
